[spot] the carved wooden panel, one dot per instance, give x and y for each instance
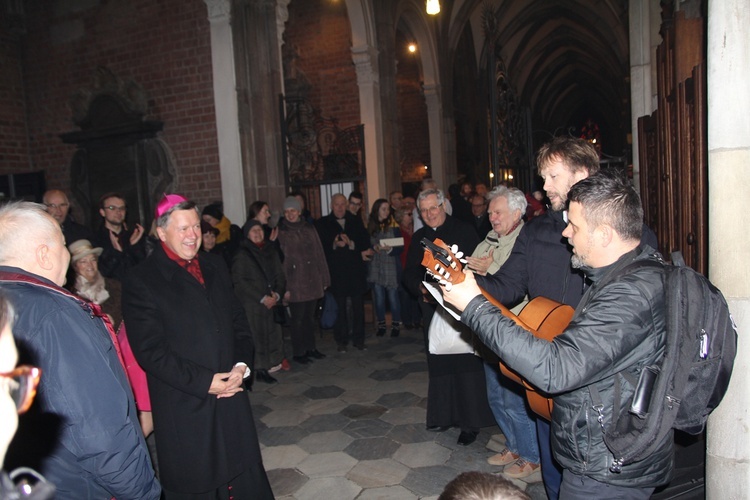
(673, 146)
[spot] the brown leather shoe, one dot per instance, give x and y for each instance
(520, 469)
(505, 457)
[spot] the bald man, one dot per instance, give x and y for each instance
(85, 437)
(58, 206)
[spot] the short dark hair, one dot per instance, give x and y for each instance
(610, 198)
(111, 194)
(482, 486)
(577, 154)
(356, 194)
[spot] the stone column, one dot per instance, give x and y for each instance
(365, 57)
(640, 73)
(436, 126)
(225, 102)
(728, 436)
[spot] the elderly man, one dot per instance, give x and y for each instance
(457, 395)
(539, 264)
(507, 399)
(428, 183)
(58, 206)
(84, 429)
(190, 334)
(618, 329)
(347, 247)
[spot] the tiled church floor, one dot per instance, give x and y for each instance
(352, 425)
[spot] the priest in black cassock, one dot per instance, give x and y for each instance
(457, 395)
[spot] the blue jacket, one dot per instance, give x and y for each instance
(97, 450)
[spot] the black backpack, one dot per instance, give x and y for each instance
(689, 380)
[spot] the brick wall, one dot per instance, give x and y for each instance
(14, 147)
(163, 46)
(321, 34)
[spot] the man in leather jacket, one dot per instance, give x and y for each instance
(539, 265)
(618, 328)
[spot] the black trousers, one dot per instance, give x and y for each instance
(340, 329)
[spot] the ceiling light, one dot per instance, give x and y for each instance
(433, 7)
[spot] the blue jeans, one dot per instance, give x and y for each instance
(508, 404)
(379, 293)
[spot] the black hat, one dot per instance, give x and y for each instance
(208, 228)
(214, 210)
(251, 223)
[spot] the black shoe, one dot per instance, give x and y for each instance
(341, 348)
(303, 360)
(361, 347)
(381, 329)
(315, 354)
(264, 376)
(467, 437)
(437, 428)
(395, 332)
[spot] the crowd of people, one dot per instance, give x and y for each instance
(159, 332)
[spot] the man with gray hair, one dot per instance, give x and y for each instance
(507, 398)
(428, 183)
(190, 334)
(83, 434)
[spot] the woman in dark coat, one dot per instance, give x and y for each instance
(260, 284)
(307, 278)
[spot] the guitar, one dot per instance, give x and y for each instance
(543, 317)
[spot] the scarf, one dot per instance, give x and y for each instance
(223, 227)
(190, 266)
(95, 291)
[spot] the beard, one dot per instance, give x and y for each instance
(576, 262)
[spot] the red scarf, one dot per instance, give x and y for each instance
(190, 266)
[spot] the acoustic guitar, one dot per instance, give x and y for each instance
(543, 317)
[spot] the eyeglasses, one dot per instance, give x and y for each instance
(478, 205)
(356, 203)
(432, 210)
(54, 206)
(22, 384)
(112, 208)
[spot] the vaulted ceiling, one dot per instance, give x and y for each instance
(566, 60)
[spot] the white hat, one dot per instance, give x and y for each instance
(81, 248)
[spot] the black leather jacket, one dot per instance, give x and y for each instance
(618, 327)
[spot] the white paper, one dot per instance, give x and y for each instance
(392, 242)
(434, 290)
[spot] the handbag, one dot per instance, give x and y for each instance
(447, 335)
(329, 311)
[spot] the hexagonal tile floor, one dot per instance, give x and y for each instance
(352, 426)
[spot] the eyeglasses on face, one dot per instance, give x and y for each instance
(22, 384)
(356, 203)
(112, 208)
(55, 206)
(431, 210)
